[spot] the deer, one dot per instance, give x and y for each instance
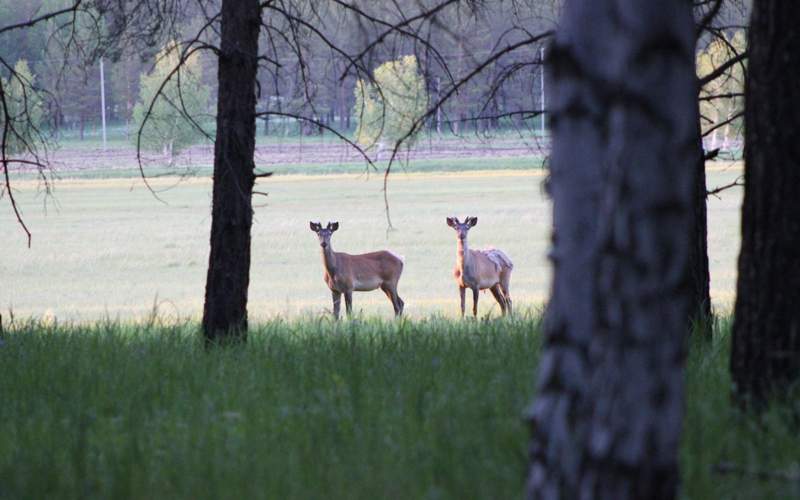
(345, 273)
(480, 269)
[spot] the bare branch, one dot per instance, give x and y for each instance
(721, 124)
(722, 69)
(44, 17)
(737, 183)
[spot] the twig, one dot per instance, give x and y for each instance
(722, 69)
(721, 124)
(738, 182)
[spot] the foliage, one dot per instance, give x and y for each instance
(388, 110)
(723, 97)
(24, 107)
(172, 124)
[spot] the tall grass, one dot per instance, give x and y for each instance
(727, 453)
(428, 408)
(307, 409)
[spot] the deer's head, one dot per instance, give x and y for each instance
(462, 228)
(324, 235)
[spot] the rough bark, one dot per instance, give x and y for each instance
(606, 422)
(765, 357)
(225, 311)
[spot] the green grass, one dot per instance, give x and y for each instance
(718, 434)
(307, 409)
(428, 408)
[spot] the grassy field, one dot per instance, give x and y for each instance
(108, 248)
(107, 392)
(428, 408)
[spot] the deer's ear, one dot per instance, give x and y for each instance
(472, 221)
(333, 226)
(451, 222)
(315, 226)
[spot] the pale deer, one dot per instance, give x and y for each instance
(480, 269)
(345, 273)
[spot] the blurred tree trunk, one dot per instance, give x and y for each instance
(606, 422)
(225, 311)
(765, 356)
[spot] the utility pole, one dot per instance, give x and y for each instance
(103, 101)
(541, 76)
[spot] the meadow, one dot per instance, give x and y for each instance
(107, 248)
(309, 408)
(108, 393)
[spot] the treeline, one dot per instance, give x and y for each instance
(308, 68)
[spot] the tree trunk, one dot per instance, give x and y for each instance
(606, 422)
(225, 311)
(726, 131)
(699, 279)
(765, 356)
(340, 106)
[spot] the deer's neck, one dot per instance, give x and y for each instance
(329, 260)
(462, 254)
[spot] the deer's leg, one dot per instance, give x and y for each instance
(397, 304)
(463, 292)
(504, 283)
(508, 301)
(475, 293)
(498, 296)
(337, 301)
(348, 302)
(400, 304)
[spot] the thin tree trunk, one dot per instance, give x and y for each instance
(341, 106)
(700, 280)
(714, 135)
(765, 356)
(727, 129)
(606, 422)
(225, 311)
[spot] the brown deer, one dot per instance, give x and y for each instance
(480, 269)
(345, 273)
